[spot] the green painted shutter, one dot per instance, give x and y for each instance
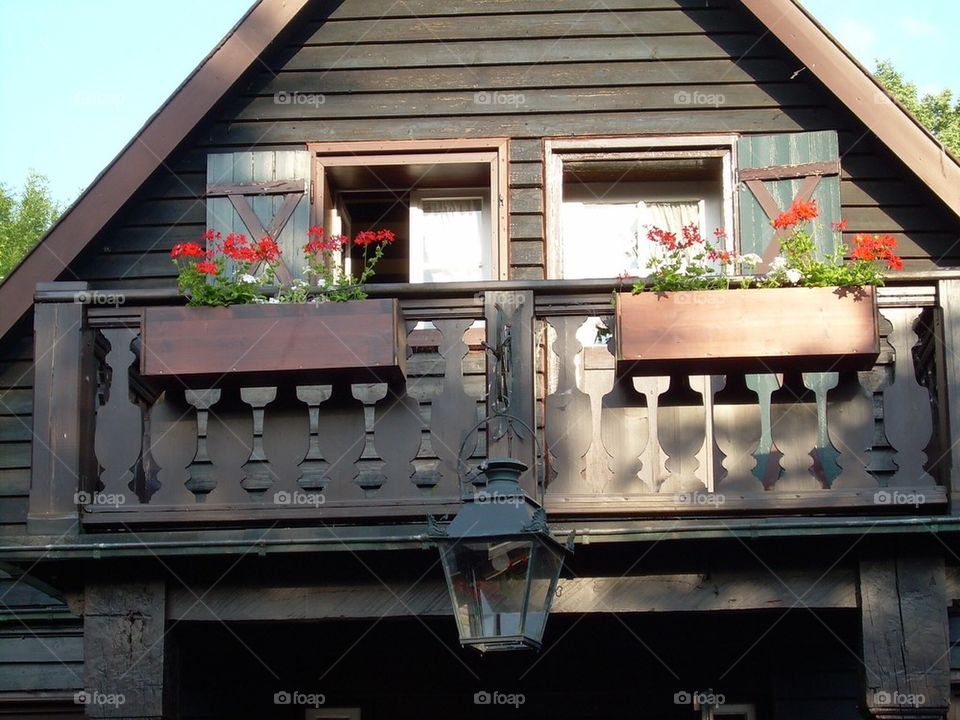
(772, 170)
(269, 190)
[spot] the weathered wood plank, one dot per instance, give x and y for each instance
(16, 402)
(905, 637)
(432, 104)
(950, 302)
(519, 77)
(519, 25)
(528, 52)
(65, 384)
(362, 9)
(125, 648)
(651, 593)
(524, 125)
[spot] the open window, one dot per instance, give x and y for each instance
(441, 198)
(604, 194)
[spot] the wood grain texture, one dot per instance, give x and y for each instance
(908, 424)
(126, 649)
(358, 339)
(64, 389)
(905, 638)
(705, 331)
(646, 593)
(119, 422)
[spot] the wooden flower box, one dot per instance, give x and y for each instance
(360, 340)
(746, 331)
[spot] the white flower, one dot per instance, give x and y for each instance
(751, 259)
(778, 263)
(247, 278)
(273, 301)
(298, 283)
(794, 275)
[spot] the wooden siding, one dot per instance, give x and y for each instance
(413, 71)
(41, 645)
(16, 423)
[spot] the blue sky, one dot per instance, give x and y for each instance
(81, 76)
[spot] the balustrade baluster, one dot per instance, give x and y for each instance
(286, 439)
(341, 436)
(907, 416)
(569, 422)
(119, 435)
(737, 430)
(173, 444)
(453, 412)
(767, 469)
(851, 427)
(229, 446)
(682, 433)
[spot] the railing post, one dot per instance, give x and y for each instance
(511, 380)
(63, 398)
(949, 297)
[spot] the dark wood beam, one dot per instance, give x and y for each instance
(64, 389)
(652, 593)
(905, 637)
(125, 651)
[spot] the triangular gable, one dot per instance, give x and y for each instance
(856, 88)
(794, 27)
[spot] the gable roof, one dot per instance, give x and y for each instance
(820, 53)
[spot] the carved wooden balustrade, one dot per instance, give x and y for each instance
(483, 369)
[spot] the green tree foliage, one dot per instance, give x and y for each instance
(24, 218)
(938, 112)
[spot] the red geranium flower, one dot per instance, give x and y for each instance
(786, 220)
(369, 237)
(805, 210)
(268, 250)
(188, 249)
(839, 226)
(663, 238)
(208, 267)
(211, 235)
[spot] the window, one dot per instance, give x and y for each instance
(729, 712)
(604, 194)
(442, 198)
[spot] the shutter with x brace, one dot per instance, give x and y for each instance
(773, 171)
(262, 193)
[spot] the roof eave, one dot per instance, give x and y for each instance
(857, 88)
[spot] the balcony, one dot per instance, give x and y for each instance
(483, 368)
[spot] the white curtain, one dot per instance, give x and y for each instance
(606, 239)
(451, 241)
(669, 216)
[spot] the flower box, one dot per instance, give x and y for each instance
(363, 340)
(746, 331)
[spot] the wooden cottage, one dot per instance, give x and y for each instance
(220, 519)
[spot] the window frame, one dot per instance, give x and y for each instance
(492, 151)
(719, 711)
(556, 151)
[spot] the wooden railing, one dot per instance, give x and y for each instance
(484, 367)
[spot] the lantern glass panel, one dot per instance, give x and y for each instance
(488, 586)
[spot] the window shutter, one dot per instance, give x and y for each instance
(262, 193)
(772, 171)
